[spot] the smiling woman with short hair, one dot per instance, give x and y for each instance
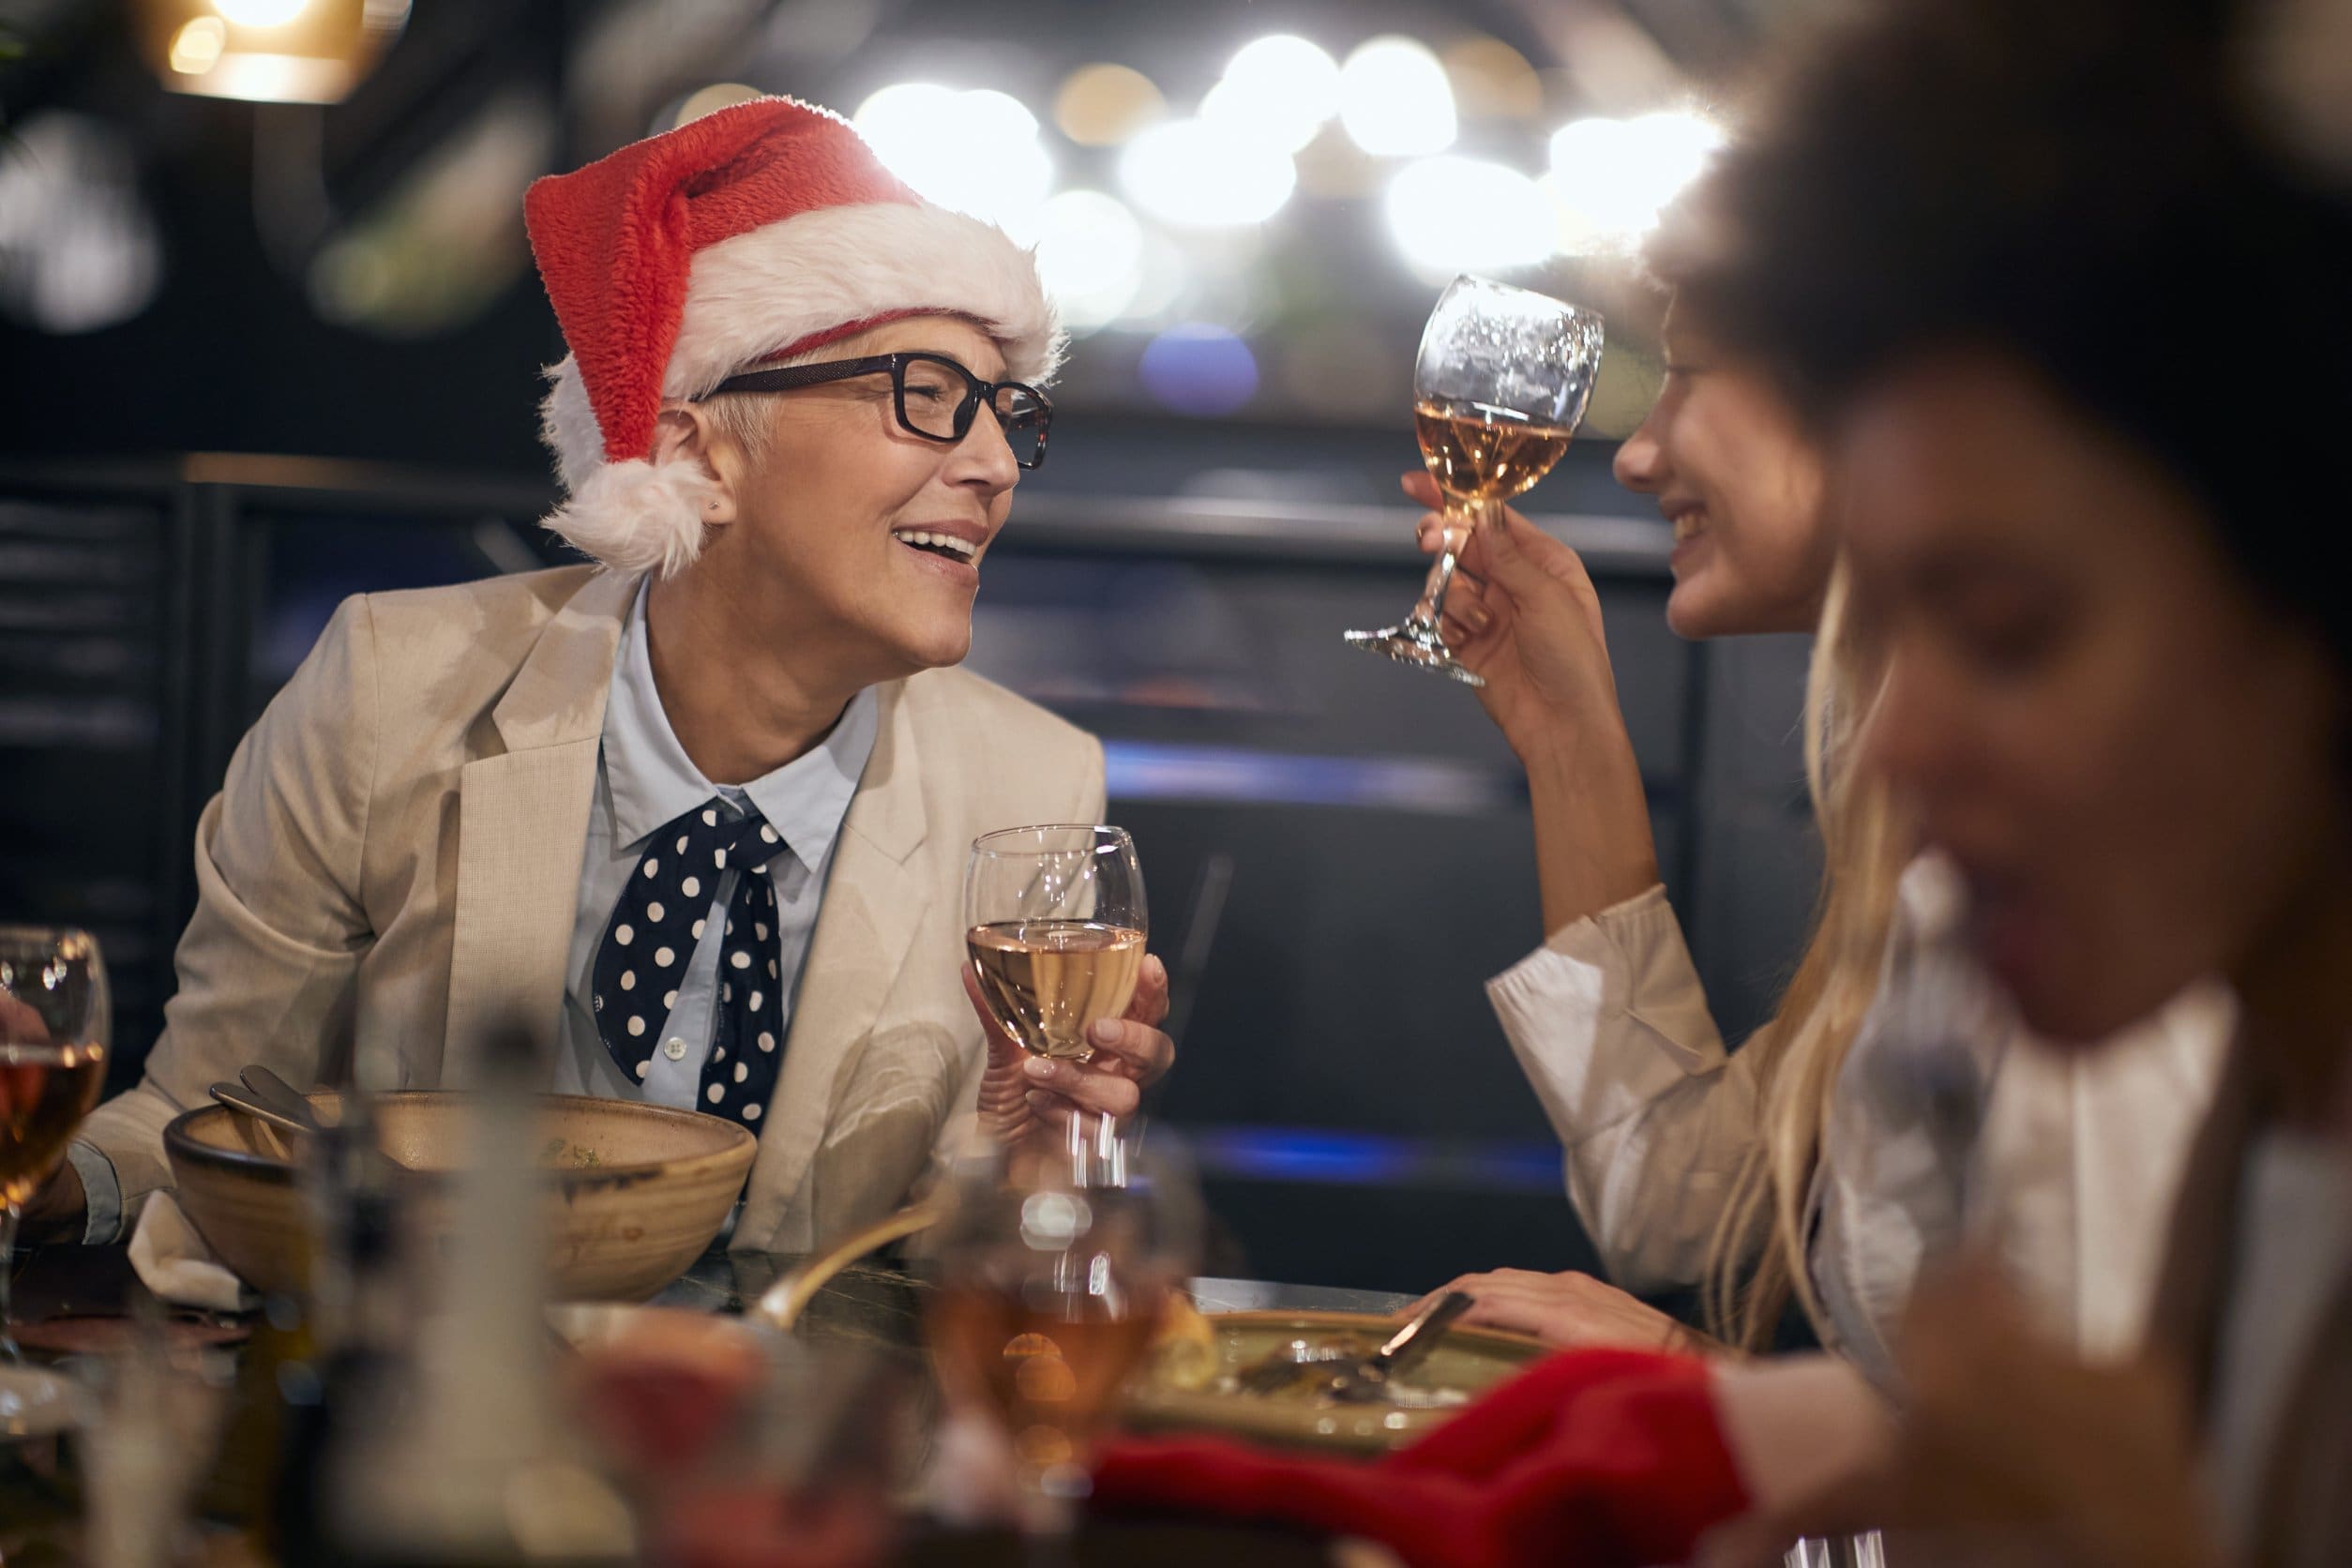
(695, 816)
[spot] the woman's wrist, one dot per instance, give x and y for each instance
(1593, 848)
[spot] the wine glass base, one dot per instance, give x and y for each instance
(1410, 644)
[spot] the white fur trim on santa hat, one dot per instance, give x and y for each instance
(638, 517)
(753, 296)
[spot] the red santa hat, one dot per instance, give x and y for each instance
(752, 234)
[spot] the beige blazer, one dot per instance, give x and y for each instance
(392, 866)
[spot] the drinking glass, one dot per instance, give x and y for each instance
(1053, 1271)
(1054, 920)
(54, 1027)
(1498, 389)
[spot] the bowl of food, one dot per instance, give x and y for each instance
(636, 1191)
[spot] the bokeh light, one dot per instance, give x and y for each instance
(1103, 105)
(79, 249)
(1198, 370)
(1451, 215)
(710, 101)
(1611, 176)
(1395, 99)
(1492, 80)
(260, 13)
(975, 152)
(1090, 253)
(1280, 87)
(1195, 175)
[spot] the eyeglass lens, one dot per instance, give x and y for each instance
(939, 402)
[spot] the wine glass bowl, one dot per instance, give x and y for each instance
(1055, 923)
(1500, 386)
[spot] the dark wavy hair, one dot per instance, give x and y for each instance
(2077, 182)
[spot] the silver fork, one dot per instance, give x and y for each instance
(1359, 1377)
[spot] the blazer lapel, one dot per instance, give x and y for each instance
(875, 898)
(522, 826)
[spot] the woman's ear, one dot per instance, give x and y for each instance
(686, 433)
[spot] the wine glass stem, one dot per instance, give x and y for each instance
(1464, 518)
(9, 1354)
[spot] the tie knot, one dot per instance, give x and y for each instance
(744, 841)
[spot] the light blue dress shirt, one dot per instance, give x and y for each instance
(645, 779)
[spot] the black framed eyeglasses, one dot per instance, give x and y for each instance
(936, 398)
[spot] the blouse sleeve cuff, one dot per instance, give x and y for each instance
(102, 1192)
(1608, 1014)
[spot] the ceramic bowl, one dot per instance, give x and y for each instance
(638, 1191)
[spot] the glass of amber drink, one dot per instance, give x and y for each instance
(1054, 1270)
(53, 1025)
(1054, 920)
(1499, 388)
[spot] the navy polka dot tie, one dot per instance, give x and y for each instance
(652, 937)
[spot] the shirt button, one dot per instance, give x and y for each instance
(673, 1049)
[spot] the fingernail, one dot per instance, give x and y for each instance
(1037, 1099)
(1038, 1068)
(1105, 1032)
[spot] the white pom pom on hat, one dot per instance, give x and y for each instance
(750, 235)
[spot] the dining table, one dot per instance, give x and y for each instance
(74, 1304)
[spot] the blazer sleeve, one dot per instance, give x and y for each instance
(1610, 1023)
(268, 964)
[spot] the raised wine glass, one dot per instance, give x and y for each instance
(1498, 389)
(53, 1024)
(1055, 923)
(1054, 1269)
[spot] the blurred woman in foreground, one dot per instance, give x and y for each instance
(2080, 334)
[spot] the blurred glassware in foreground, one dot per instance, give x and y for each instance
(1053, 1272)
(54, 1022)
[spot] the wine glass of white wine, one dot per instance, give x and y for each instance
(1054, 920)
(1498, 389)
(54, 1019)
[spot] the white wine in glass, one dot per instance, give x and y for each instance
(1054, 921)
(55, 1019)
(1499, 388)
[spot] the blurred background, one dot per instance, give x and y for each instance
(271, 337)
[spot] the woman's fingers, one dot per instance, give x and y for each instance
(1107, 1093)
(1150, 1004)
(1131, 1050)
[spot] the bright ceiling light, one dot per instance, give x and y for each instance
(260, 13)
(1451, 215)
(1197, 174)
(974, 152)
(1613, 175)
(1090, 253)
(1395, 99)
(265, 50)
(1280, 87)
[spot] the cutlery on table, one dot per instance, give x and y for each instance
(1353, 1380)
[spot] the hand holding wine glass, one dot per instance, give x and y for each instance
(1499, 388)
(1067, 997)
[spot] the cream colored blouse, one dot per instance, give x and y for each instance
(2069, 1174)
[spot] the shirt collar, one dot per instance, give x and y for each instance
(653, 782)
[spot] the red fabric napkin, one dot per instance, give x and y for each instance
(1587, 1459)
